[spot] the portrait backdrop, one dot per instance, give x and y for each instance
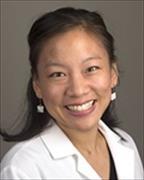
(124, 20)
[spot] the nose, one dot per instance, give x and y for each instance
(77, 86)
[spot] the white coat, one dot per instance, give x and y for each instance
(51, 155)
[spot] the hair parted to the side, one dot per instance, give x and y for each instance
(44, 28)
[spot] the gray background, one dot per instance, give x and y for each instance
(125, 21)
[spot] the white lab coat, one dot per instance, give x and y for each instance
(51, 155)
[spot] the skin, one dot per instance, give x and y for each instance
(74, 68)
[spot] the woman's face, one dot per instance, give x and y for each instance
(75, 79)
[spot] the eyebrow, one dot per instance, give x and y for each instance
(54, 63)
(92, 58)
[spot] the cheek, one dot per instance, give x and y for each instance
(102, 84)
(52, 96)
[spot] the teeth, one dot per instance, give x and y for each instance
(82, 107)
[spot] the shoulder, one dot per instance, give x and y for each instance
(24, 159)
(129, 142)
(23, 153)
(124, 135)
(126, 138)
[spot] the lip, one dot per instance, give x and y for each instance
(79, 103)
(84, 112)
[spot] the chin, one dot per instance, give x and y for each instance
(85, 125)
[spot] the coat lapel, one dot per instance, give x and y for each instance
(85, 169)
(124, 160)
(123, 155)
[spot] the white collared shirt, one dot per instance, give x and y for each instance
(51, 155)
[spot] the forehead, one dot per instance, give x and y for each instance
(75, 43)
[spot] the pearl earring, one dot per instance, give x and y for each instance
(40, 107)
(113, 96)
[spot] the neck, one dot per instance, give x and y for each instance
(85, 141)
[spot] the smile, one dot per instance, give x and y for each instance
(81, 107)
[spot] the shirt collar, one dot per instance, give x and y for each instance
(59, 145)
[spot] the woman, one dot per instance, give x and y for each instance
(71, 131)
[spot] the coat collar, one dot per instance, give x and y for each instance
(59, 146)
(57, 142)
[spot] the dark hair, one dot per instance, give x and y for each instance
(44, 28)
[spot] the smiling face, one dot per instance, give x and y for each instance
(75, 79)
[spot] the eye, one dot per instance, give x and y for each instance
(57, 75)
(92, 69)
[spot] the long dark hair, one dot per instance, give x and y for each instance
(44, 28)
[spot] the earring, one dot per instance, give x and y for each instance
(40, 107)
(113, 96)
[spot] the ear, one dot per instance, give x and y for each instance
(114, 75)
(37, 88)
